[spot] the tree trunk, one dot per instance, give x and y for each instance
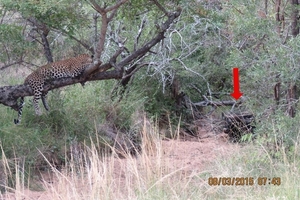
(291, 98)
(294, 17)
(43, 30)
(47, 50)
(279, 16)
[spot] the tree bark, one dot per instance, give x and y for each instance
(105, 19)
(279, 16)
(291, 100)
(44, 33)
(47, 50)
(294, 17)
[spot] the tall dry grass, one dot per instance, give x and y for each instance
(94, 175)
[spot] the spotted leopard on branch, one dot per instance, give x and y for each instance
(71, 67)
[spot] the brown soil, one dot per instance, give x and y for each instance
(198, 154)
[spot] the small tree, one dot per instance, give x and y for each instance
(115, 67)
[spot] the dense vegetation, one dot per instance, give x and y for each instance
(194, 60)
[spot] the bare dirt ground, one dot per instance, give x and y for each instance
(191, 155)
(196, 155)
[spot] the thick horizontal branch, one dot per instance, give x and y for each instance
(10, 94)
(216, 103)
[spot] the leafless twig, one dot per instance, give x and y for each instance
(11, 64)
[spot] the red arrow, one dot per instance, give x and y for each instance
(236, 84)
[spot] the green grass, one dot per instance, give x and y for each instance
(75, 113)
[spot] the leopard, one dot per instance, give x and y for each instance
(68, 68)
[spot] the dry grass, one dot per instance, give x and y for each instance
(149, 175)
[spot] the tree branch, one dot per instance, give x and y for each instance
(160, 7)
(85, 45)
(11, 64)
(10, 94)
(116, 6)
(45, 31)
(142, 25)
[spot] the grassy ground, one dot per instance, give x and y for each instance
(147, 177)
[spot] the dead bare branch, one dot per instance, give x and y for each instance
(146, 48)
(216, 103)
(135, 70)
(141, 28)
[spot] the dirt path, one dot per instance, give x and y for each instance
(196, 155)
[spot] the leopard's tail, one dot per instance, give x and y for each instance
(20, 109)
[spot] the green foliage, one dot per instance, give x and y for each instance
(264, 59)
(20, 38)
(18, 141)
(139, 7)
(12, 41)
(281, 136)
(75, 113)
(66, 15)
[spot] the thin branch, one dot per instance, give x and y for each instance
(96, 7)
(160, 7)
(29, 63)
(117, 53)
(135, 70)
(85, 45)
(197, 89)
(11, 64)
(142, 25)
(215, 103)
(146, 48)
(111, 16)
(239, 11)
(116, 6)
(106, 10)
(120, 44)
(190, 70)
(3, 16)
(45, 31)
